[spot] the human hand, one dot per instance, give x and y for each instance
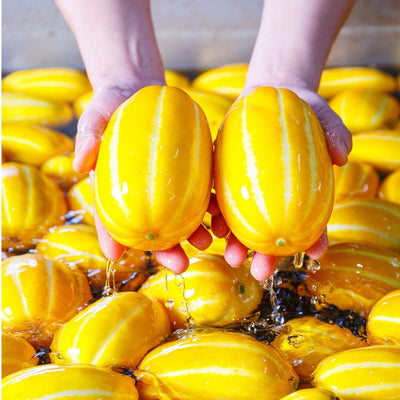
(90, 128)
(338, 140)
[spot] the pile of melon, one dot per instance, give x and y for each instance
(76, 325)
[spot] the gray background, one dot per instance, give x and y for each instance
(195, 34)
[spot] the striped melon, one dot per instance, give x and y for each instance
(367, 373)
(355, 276)
(78, 245)
(383, 325)
(34, 144)
(390, 187)
(60, 170)
(379, 148)
(16, 354)
(31, 205)
(230, 294)
(311, 394)
(80, 201)
(338, 79)
(34, 110)
(38, 295)
(59, 84)
(306, 341)
(78, 382)
(227, 80)
(215, 365)
(365, 109)
(273, 175)
(369, 221)
(355, 179)
(117, 330)
(152, 181)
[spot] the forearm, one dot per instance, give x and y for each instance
(294, 41)
(116, 40)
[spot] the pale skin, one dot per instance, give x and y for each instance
(120, 52)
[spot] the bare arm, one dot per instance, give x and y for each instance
(294, 41)
(291, 49)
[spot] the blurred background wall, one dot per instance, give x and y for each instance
(196, 34)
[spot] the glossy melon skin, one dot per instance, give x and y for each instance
(311, 394)
(367, 373)
(31, 204)
(65, 382)
(16, 354)
(29, 109)
(354, 276)
(369, 221)
(230, 294)
(152, 181)
(365, 109)
(33, 144)
(383, 324)
(390, 187)
(80, 201)
(77, 245)
(379, 148)
(117, 330)
(337, 79)
(306, 341)
(273, 175)
(39, 295)
(355, 179)
(60, 170)
(59, 84)
(227, 80)
(215, 365)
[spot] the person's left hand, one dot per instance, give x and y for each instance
(91, 125)
(339, 144)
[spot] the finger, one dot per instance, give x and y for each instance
(200, 238)
(318, 249)
(213, 207)
(235, 252)
(263, 266)
(338, 137)
(219, 226)
(174, 259)
(92, 124)
(112, 250)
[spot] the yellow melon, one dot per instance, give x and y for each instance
(389, 188)
(117, 330)
(17, 354)
(355, 179)
(80, 201)
(39, 295)
(29, 109)
(32, 144)
(379, 148)
(31, 205)
(273, 176)
(227, 80)
(306, 341)
(369, 221)
(80, 382)
(355, 276)
(383, 324)
(337, 79)
(365, 109)
(157, 194)
(230, 294)
(367, 373)
(215, 365)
